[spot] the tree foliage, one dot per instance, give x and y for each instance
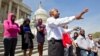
(96, 35)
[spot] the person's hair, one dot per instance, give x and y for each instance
(24, 23)
(39, 19)
(99, 41)
(83, 31)
(51, 11)
(39, 22)
(75, 37)
(89, 34)
(75, 33)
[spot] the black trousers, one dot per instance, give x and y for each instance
(55, 48)
(9, 46)
(70, 51)
(78, 51)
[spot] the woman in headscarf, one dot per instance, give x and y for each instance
(77, 49)
(27, 37)
(75, 35)
(11, 30)
(40, 36)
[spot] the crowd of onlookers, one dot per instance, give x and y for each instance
(79, 44)
(83, 45)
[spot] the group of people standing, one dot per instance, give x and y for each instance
(83, 45)
(55, 32)
(12, 29)
(60, 43)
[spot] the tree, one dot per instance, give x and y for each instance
(96, 35)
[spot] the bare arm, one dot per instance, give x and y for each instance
(70, 30)
(81, 14)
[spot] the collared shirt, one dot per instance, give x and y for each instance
(82, 42)
(54, 29)
(92, 44)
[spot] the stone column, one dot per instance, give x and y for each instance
(0, 11)
(6, 11)
(10, 6)
(0, 4)
(17, 15)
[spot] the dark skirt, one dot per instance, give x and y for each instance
(27, 42)
(40, 38)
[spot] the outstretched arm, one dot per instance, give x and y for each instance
(66, 20)
(81, 14)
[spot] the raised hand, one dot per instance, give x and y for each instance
(81, 14)
(76, 28)
(85, 10)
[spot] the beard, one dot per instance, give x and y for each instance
(57, 16)
(83, 35)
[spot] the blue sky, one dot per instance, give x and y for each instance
(91, 21)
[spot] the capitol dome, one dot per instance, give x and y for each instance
(41, 11)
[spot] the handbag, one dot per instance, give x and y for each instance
(32, 35)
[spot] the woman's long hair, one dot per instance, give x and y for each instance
(25, 22)
(75, 35)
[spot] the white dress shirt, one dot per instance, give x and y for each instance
(82, 42)
(54, 29)
(92, 44)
